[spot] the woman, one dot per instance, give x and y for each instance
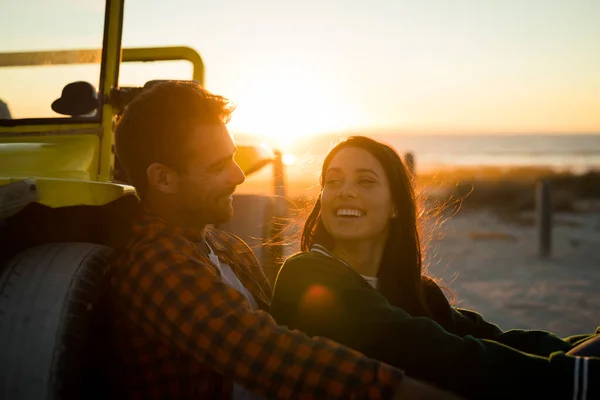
(359, 281)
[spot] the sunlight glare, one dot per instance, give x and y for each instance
(284, 105)
(288, 159)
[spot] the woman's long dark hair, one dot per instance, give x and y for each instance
(400, 271)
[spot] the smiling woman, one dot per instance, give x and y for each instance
(284, 104)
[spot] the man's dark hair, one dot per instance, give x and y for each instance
(157, 125)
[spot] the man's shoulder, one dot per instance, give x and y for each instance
(150, 250)
(165, 243)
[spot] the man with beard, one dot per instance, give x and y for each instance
(190, 302)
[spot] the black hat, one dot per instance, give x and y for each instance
(77, 98)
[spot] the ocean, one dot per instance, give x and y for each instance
(577, 153)
(566, 152)
(574, 152)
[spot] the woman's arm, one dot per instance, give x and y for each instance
(455, 320)
(462, 322)
(316, 295)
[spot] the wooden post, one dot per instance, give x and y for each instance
(409, 160)
(280, 217)
(543, 201)
(278, 174)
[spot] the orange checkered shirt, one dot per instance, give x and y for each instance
(183, 333)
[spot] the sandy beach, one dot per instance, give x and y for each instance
(493, 267)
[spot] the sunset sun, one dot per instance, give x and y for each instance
(283, 106)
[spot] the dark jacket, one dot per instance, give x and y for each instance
(459, 350)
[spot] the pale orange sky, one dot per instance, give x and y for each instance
(304, 67)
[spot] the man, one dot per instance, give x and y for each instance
(189, 299)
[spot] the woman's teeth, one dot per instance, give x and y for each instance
(349, 212)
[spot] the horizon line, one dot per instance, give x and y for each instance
(400, 132)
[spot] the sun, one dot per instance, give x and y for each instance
(283, 105)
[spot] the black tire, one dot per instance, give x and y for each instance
(47, 297)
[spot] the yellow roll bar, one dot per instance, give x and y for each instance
(94, 56)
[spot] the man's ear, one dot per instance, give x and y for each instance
(162, 178)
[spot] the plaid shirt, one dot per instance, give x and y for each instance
(183, 333)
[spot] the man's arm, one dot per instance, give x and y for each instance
(181, 300)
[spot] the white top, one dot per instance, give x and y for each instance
(229, 277)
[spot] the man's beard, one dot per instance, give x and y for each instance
(217, 214)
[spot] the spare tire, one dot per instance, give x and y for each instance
(48, 296)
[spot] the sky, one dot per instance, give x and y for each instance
(315, 66)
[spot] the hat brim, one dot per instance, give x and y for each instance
(82, 107)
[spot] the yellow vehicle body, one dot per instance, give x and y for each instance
(74, 163)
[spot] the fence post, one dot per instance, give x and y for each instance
(409, 160)
(543, 202)
(278, 174)
(280, 217)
